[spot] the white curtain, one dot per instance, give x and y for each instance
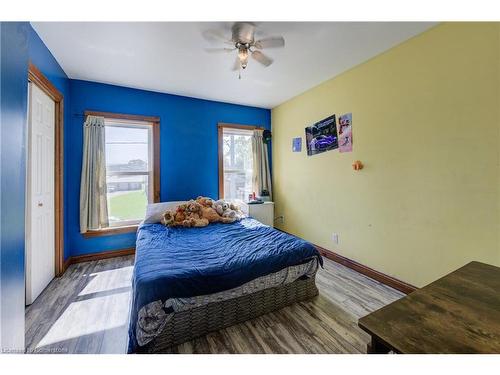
(93, 190)
(262, 174)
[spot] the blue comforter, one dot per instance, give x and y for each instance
(187, 262)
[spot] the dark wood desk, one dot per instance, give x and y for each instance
(459, 313)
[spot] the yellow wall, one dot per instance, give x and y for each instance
(426, 125)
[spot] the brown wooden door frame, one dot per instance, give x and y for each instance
(36, 77)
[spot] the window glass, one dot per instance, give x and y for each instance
(238, 163)
(128, 171)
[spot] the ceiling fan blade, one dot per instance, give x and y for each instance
(215, 36)
(273, 42)
(263, 59)
(236, 65)
(243, 32)
(217, 50)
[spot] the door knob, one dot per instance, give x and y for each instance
(40, 204)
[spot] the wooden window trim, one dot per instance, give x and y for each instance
(238, 126)
(36, 77)
(220, 132)
(155, 123)
(122, 116)
(110, 231)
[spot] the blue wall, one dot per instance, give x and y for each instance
(189, 163)
(13, 108)
(41, 57)
(19, 44)
(188, 143)
(188, 140)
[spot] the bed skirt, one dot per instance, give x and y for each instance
(199, 321)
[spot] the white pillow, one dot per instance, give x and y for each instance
(154, 211)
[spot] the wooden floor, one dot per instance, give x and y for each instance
(86, 311)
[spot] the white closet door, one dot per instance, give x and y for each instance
(40, 254)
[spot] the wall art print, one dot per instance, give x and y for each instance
(345, 133)
(322, 136)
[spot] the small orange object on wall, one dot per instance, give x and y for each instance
(357, 165)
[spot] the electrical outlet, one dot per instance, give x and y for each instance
(335, 238)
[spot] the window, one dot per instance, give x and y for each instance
(132, 168)
(236, 160)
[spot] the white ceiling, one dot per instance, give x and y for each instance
(169, 57)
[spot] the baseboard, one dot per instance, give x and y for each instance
(367, 271)
(99, 256)
(67, 263)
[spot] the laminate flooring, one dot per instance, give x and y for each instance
(86, 311)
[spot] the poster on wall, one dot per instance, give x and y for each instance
(345, 132)
(297, 144)
(322, 136)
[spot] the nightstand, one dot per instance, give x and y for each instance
(263, 212)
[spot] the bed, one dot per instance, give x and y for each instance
(188, 282)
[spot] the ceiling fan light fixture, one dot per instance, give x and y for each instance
(243, 41)
(243, 56)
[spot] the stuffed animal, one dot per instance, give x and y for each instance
(233, 212)
(205, 201)
(229, 211)
(210, 212)
(201, 212)
(229, 214)
(168, 218)
(195, 215)
(239, 213)
(185, 215)
(180, 213)
(211, 215)
(175, 219)
(220, 206)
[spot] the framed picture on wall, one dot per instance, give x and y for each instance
(297, 144)
(322, 136)
(345, 133)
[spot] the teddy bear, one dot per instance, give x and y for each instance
(208, 210)
(175, 219)
(237, 210)
(212, 215)
(185, 215)
(168, 218)
(229, 214)
(205, 201)
(195, 214)
(220, 206)
(201, 212)
(229, 211)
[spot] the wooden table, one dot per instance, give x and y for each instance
(459, 313)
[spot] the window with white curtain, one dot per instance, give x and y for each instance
(237, 163)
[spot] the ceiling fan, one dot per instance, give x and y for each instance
(243, 41)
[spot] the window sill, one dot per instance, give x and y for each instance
(110, 231)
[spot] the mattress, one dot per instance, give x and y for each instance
(153, 317)
(173, 265)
